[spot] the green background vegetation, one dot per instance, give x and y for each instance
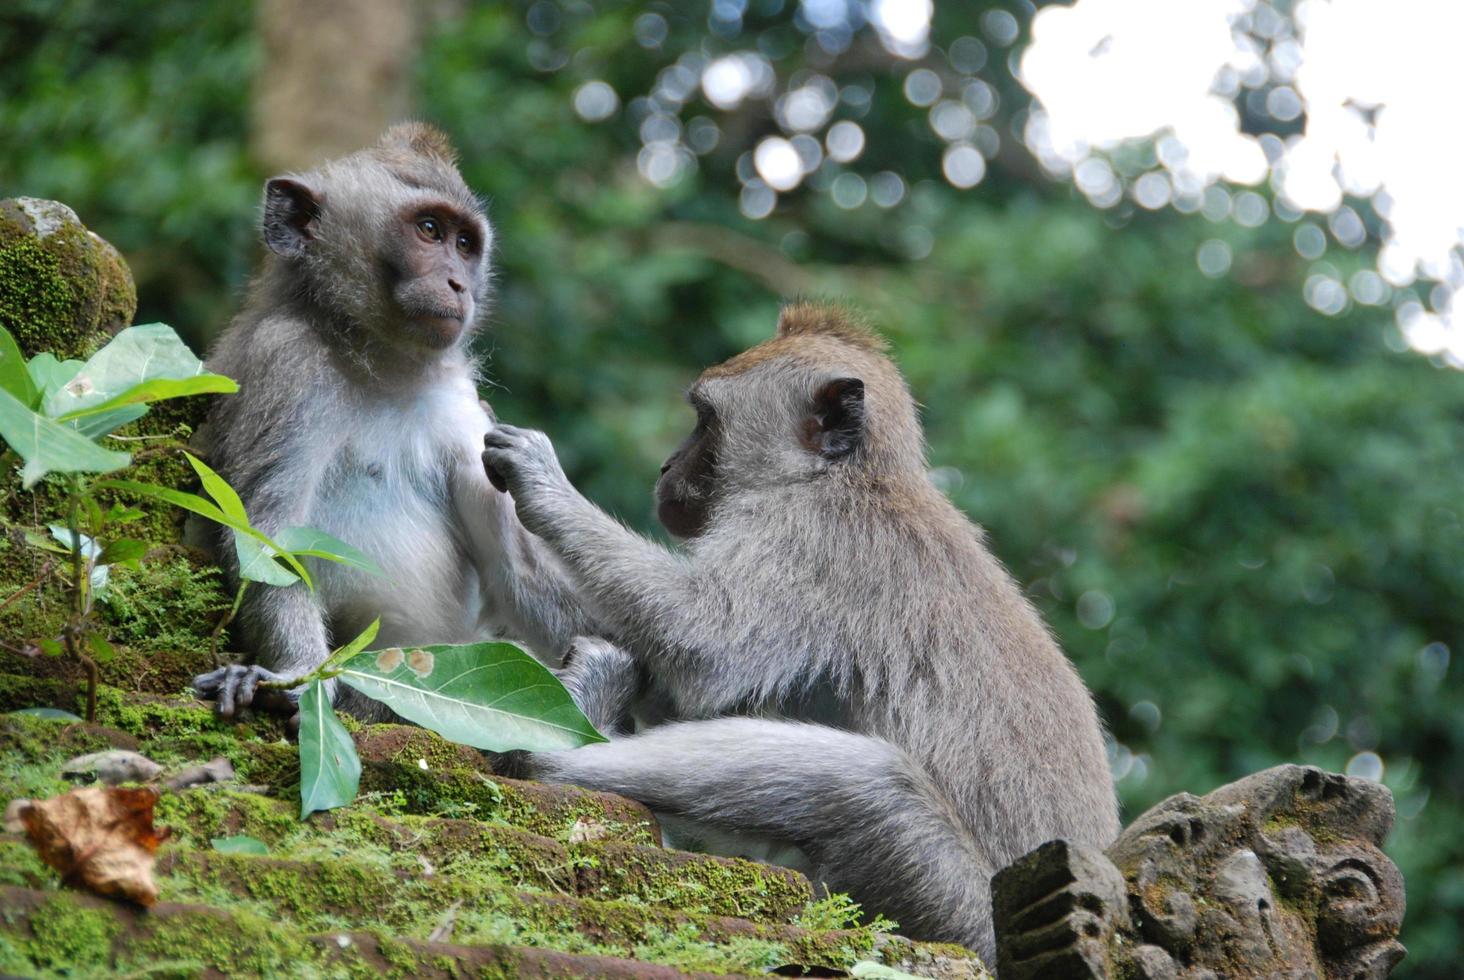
(1241, 517)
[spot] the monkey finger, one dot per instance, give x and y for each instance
(226, 693)
(494, 476)
(248, 684)
(502, 436)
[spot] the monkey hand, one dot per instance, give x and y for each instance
(237, 686)
(522, 462)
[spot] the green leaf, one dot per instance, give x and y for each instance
(218, 488)
(79, 542)
(49, 714)
(14, 377)
(90, 549)
(156, 391)
(49, 374)
(361, 642)
(48, 447)
(194, 503)
(51, 648)
(257, 562)
(102, 651)
(239, 844)
(318, 544)
(104, 423)
(38, 540)
(141, 364)
(488, 695)
(330, 770)
(122, 549)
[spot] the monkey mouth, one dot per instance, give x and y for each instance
(439, 328)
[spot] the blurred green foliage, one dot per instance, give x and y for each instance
(1242, 518)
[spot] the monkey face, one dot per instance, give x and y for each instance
(687, 486)
(436, 261)
(389, 239)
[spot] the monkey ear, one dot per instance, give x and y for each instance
(836, 428)
(291, 215)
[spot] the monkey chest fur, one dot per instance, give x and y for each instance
(388, 488)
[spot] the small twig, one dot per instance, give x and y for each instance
(152, 438)
(33, 583)
(223, 624)
(29, 652)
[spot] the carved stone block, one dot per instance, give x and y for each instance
(1278, 875)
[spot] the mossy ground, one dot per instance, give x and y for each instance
(390, 869)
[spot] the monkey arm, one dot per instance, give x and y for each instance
(641, 589)
(285, 626)
(676, 618)
(523, 579)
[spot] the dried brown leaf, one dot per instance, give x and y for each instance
(101, 838)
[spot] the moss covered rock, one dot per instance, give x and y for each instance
(63, 288)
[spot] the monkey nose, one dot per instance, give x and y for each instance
(457, 287)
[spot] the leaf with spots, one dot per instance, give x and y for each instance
(488, 695)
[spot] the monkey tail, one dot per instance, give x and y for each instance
(868, 816)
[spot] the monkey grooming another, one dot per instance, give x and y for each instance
(855, 672)
(358, 414)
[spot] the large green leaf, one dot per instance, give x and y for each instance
(102, 423)
(141, 364)
(47, 447)
(330, 770)
(49, 374)
(488, 695)
(318, 544)
(14, 376)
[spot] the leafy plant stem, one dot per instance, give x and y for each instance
(70, 638)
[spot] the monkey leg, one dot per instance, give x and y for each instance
(604, 682)
(869, 818)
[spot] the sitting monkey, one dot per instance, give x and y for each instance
(358, 414)
(855, 672)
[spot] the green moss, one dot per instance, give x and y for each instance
(685, 949)
(20, 865)
(37, 302)
(61, 293)
(237, 944)
(198, 816)
(67, 935)
(690, 882)
(163, 615)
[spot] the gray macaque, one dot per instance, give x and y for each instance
(851, 670)
(358, 414)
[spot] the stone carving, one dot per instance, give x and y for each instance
(1279, 875)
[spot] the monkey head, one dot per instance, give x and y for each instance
(818, 401)
(388, 239)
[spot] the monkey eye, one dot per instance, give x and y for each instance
(430, 228)
(465, 243)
